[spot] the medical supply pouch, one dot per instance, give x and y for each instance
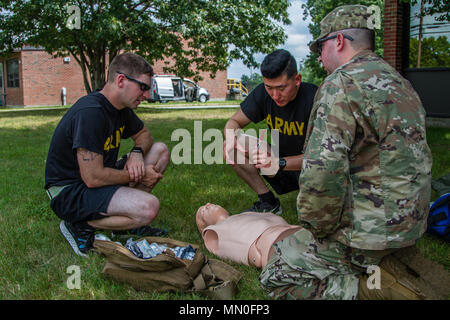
(166, 272)
(439, 217)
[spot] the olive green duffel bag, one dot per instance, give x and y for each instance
(166, 272)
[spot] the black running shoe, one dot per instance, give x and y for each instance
(144, 231)
(260, 206)
(80, 239)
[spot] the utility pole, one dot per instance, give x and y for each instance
(419, 48)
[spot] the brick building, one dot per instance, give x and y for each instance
(396, 34)
(33, 77)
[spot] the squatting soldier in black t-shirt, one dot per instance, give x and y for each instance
(89, 189)
(285, 103)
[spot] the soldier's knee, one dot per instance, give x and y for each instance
(149, 210)
(161, 148)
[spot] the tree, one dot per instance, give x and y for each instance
(311, 73)
(200, 35)
(431, 7)
(317, 10)
(441, 11)
(435, 52)
(250, 82)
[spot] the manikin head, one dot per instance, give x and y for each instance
(210, 214)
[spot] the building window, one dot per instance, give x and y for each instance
(12, 73)
(429, 44)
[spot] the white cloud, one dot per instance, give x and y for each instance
(297, 45)
(298, 37)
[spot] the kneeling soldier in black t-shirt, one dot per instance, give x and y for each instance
(285, 103)
(89, 189)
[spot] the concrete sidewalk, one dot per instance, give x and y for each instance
(438, 122)
(187, 107)
(168, 107)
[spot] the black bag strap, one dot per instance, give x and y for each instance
(447, 231)
(432, 219)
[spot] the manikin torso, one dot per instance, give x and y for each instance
(244, 238)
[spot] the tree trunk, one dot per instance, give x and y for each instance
(97, 68)
(81, 60)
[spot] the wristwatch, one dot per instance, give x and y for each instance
(281, 163)
(137, 149)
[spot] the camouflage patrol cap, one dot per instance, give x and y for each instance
(343, 17)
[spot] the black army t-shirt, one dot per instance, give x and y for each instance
(91, 123)
(291, 120)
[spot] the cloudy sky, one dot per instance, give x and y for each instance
(296, 43)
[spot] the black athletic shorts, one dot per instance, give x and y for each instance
(284, 181)
(77, 202)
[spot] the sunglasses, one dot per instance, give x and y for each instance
(321, 41)
(143, 86)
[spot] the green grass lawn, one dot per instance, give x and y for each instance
(34, 257)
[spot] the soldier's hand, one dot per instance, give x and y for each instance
(230, 146)
(135, 166)
(262, 158)
(151, 177)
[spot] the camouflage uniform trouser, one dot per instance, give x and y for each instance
(303, 267)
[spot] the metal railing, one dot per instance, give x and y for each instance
(236, 85)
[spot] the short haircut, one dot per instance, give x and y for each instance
(363, 39)
(130, 64)
(277, 63)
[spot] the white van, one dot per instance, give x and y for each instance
(194, 92)
(172, 88)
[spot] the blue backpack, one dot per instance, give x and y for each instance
(439, 217)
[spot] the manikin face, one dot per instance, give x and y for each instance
(212, 210)
(210, 214)
(282, 89)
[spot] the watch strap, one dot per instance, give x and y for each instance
(137, 149)
(282, 163)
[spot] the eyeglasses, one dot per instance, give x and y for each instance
(143, 86)
(321, 42)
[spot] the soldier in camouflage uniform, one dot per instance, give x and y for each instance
(366, 172)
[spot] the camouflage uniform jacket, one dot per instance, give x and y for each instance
(366, 172)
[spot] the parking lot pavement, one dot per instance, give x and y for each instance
(438, 122)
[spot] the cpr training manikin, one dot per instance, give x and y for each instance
(243, 238)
